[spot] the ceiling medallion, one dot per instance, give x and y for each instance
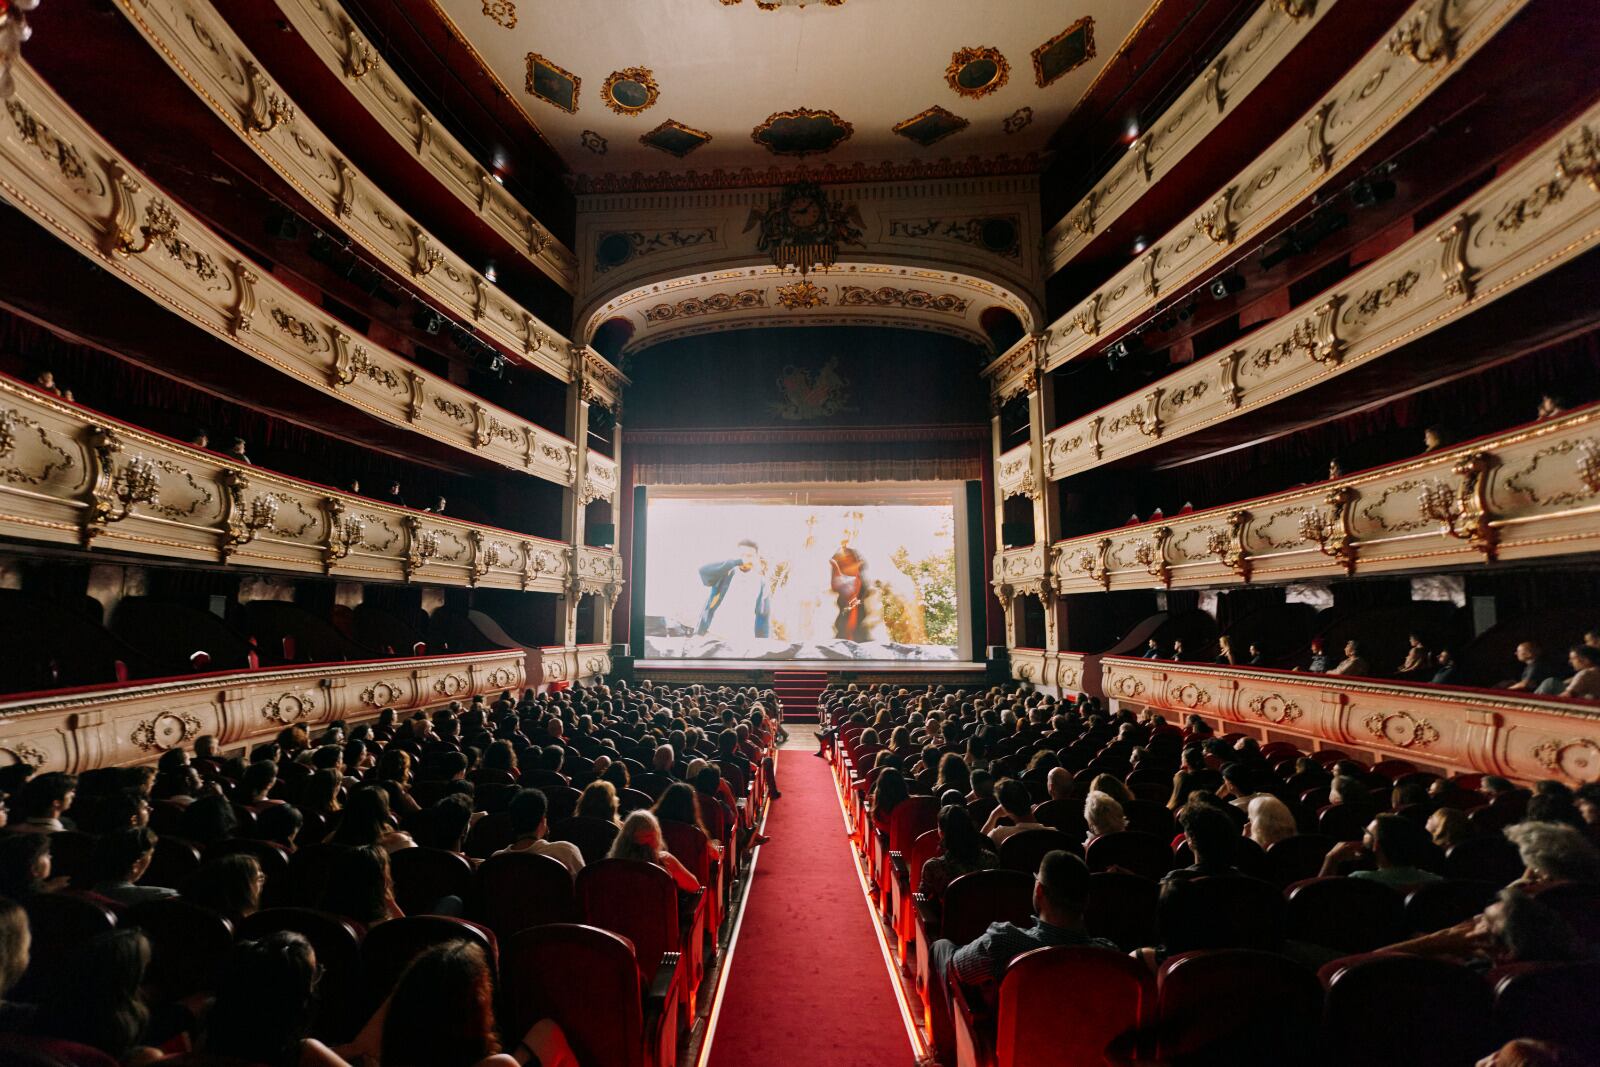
(552, 84)
(630, 90)
(675, 138)
(1018, 120)
(1067, 50)
(930, 126)
(801, 228)
(977, 72)
(802, 132)
(801, 295)
(502, 11)
(594, 142)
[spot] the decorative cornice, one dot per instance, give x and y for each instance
(200, 47)
(794, 435)
(60, 173)
(821, 173)
(332, 35)
(1536, 216)
(1378, 91)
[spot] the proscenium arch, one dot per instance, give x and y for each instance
(847, 294)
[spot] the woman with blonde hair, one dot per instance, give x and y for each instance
(1270, 820)
(1103, 815)
(599, 801)
(641, 839)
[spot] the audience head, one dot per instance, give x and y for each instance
(1448, 827)
(599, 801)
(360, 886)
(441, 1013)
(24, 865)
(1555, 852)
(207, 820)
(680, 803)
(1270, 820)
(16, 941)
(530, 809)
(1059, 783)
(229, 885)
(265, 1002)
(1211, 835)
(1103, 814)
(639, 839)
(95, 999)
(444, 826)
(123, 855)
(1015, 799)
(1061, 889)
(1396, 841)
(44, 796)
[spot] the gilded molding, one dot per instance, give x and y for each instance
(1375, 95)
(1423, 285)
(641, 75)
(965, 57)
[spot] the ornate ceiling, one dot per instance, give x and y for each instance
(695, 93)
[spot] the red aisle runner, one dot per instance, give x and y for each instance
(808, 984)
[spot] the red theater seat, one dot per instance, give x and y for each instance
(1390, 1008)
(1141, 854)
(1122, 908)
(1347, 914)
(424, 876)
(1237, 1007)
(640, 901)
(1026, 849)
(521, 889)
(337, 943)
(1552, 1002)
(592, 836)
(189, 946)
(389, 948)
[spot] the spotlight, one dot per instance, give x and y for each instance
(1139, 245)
(497, 364)
(1131, 134)
(430, 322)
(1226, 285)
(489, 273)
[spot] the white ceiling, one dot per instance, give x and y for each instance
(725, 67)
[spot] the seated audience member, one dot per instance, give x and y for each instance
(96, 1000)
(1256, 656)
(208, 820)
(360, 887)
(119, 861)
(367, 821)
(1435, 438)
(1151, 650)
(1446, 670)
(1058, 783)
(1347, 790)
(1016, 804)
(599, 801)
(1536, 669)
(1448, 827)
(1103, 815)
(1516, 928)
(1318, 663)
(1225, 651)
(445, 825)
(1417, 659)
(280, 824)
(1060, 894)
(1551, 406)
(265, 1005)
(1270, 820)
(1111, 786)
(962, 850)
(229, 885)
(529, 809)
(25, 866)
(1526, 1052)
(39, 804)
(259, 778)
(1177, 651)
(640, 839)
(953, 774)
(1353, 662)
(1585, 681)
(1396, 846)
(1212, 838)
(887, 793)
(16, 943)
(680, 803)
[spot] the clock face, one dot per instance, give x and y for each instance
(805, 212)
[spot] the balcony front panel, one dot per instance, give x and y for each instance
(1529, 493)
(69, 475)
(1264, 41)
(197, 43)
(80, 730)
(1430, 42)
(1014, 473)
(1062, 671)
(1539, 215)
(1456, 730)
(573, 664)
(61, 174)
(598, 571)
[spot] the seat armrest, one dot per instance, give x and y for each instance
(928, 913)
(699, 899)
(902, 870)
(661, 984)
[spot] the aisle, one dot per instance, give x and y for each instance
(808, 983)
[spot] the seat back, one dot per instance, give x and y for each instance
(1345, 822)
(563, 801)
(637, 900)
(1348, 914)
(389, 948)
(924, 848)
(309, 870)
(274, 861)
(586, 980)
(522, 889)
(911, 818)
(1112, 997)
(1485, 858)
(335, 940)
(1221, 913)
(978, 898)
(1063, 815)
(1395, 1008)
(1435, 905)
(1296, 858)
(592, 836)
(61, 923)
(630, 800)
(189, 947)
(1549, 1002)
(1579, 904)
(1122, 908)
(489, 835)
(690, 845)
(1025, 850)
(1151, 817)
(71, 852)
(1142, 854)
(422, 876)
(1235, 1007)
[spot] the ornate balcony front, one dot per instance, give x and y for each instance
(1528, 493)
(1537, 216)
(61, 174)
(70, 475)
(598, 571)
(1429, 43)
(1019, 571)
(1062, 671)
(1442, 727)
(573, 664)
(79, 730)
(1014, 474)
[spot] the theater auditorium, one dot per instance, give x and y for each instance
(799, 533)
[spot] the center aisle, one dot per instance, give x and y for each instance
(808, 983)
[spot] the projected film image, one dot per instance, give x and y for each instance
(782, 581)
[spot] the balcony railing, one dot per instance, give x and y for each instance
(60, 173)
(78, 730)
(1537, 216)
(1444, 727)
(71, 475)
(1527, 493)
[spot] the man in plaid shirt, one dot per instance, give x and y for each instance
(1060, 892)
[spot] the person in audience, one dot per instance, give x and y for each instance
(394, 495)
(1551, 406)
(1353, 662)
(200, 439)
(887, 793)
(208, 820)
(599, 801)
(360, 887)
(367, 821)
(237, 451)
(445, 825)
(1446, 670)
(229, 885)
(1225, 651)
(1536, 669)
(1335, 469)
(1212, 838)
(95, 1000)
(679, 803)
(1435, 438)
(1058, 783)
(259, 778)
(265, 1005)
(953, 774)
(38, 807)
(1448, 827)
(1395, 845)
(25, 866)
(1151, 650)
(1060, 895)
(1417, 661)
(1516, 928)
(1270, 820)
(1103, 815)
(1257, 657)
(280, 824)
(962, 850)
(1585, 681)
(1113, 787)
(640, 839)
(1177, 651)
(1016, 805)
(529, 810)
(120, 860)
(1318, 663)
(16, 943)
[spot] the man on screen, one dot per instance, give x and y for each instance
(739, 594)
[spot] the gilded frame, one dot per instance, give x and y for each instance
(1086, 23)
(964, 57)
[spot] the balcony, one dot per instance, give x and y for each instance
(1450, 729)
(76, 730)
(1529, 493)
(70, 475)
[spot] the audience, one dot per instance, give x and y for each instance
(529, 809)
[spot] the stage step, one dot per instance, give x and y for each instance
(798, 690)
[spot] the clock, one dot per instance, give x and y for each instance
(804, 212)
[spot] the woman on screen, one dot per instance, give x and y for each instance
(860, 606)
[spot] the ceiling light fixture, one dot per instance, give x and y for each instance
(489, 273)
(1139, 245)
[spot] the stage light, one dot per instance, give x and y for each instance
(1131, 134)
(1139, 245)
(1226, 285)
(489, 273)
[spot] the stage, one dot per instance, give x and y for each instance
(828, 666)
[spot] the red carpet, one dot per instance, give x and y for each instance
(808, 984)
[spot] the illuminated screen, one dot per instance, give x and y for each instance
(846, 573)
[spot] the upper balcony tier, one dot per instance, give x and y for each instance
(71, 475)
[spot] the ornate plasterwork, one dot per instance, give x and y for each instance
(967, 58)
(822, 173)
(802, 295)
(566, 101)
(715, 303)
(638, 75)
(1043, 76)
(838, 129)
(164, 731)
